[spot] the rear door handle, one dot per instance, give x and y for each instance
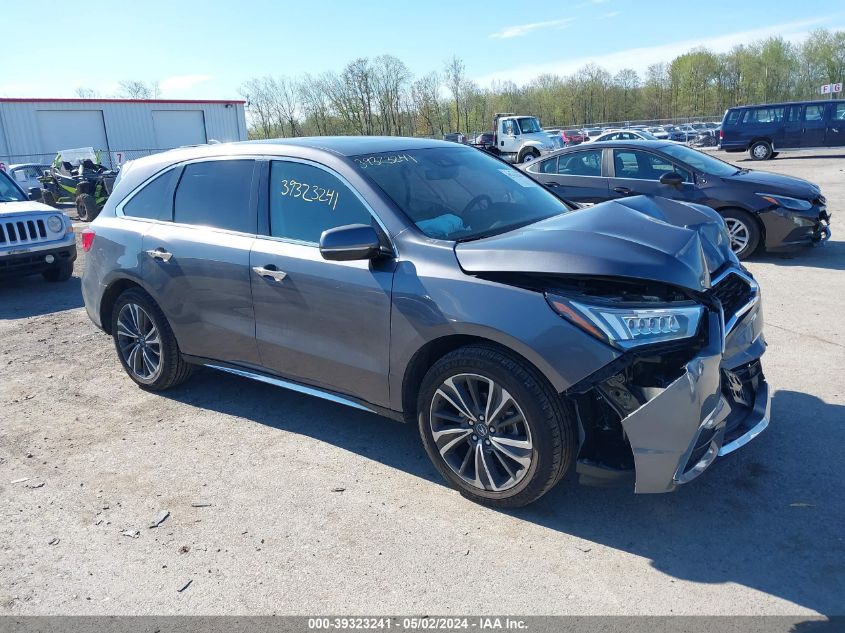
(270, 272)
(160, 254)
(552, 184)
(623, 190)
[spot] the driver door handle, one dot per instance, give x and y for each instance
(160, 254)
(623, 190)
(270, 272)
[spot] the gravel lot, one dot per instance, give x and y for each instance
(309, 507)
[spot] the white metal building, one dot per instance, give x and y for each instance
(33, 130)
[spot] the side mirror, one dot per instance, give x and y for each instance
(673, 179)
(35, 193)
(350, 242)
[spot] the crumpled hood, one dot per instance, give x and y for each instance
(25, 206)
(641, 237)
(767, 182)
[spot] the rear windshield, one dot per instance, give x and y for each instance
(9, 191)
(732, 117)
(459, 193)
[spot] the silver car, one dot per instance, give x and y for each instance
(432, 283)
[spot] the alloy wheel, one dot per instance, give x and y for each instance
(739, 234)
(481, 432)
(139, 341)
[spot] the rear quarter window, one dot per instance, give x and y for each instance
(155, 199)
(732, 117)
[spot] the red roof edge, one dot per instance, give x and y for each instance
(51, 100)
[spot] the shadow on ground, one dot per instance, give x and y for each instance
(830, 256)
(22, 297)
(768, 517)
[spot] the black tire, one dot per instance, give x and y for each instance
(48, 198)
(86, 207)
(61, 272)
(760, 150)
(173, 368)
(528, 155)
(733, 217)
(552, 430)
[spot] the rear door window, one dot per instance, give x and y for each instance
(306, 200)
(548, 166)
(838, 113)
(764, 115)
(814, 113)
(586, 163)
(216, 194)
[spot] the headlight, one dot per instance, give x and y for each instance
(629, 327)
(795, 204)
(56, 224)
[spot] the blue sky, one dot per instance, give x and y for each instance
(206, 48)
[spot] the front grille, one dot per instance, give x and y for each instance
(22, 231)
(733, 292)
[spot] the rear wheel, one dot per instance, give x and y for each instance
(494, 427)
(48, 198)
(760, 150)
(86, 207)
(145, 343)
(743, 231)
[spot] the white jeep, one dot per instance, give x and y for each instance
(34, 238)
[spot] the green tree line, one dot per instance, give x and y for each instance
(381, 96)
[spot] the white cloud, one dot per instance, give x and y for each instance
(610, 14)
(640, 58)
(183, 82)
(524, 29)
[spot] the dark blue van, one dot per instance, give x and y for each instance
(766, 130)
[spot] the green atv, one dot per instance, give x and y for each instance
(77, 177)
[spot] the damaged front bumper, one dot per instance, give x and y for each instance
(669, 428)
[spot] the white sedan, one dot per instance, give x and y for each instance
(623, 135)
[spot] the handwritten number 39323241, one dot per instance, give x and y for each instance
(309, 193)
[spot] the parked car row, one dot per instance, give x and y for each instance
(760, 209)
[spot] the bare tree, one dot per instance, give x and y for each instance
(454, 71)
(86, 93)
(259, 105)
(426, 103)
(390, 84)
(136, 89)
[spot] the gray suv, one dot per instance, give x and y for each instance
(432, 283)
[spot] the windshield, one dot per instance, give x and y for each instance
(459, 193)
(700, 161)
(529, 125)
(9, 191)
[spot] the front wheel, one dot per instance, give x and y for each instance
(743, 230)
(62, 272)
(145, 343)
(528, 156)
(493, 427)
